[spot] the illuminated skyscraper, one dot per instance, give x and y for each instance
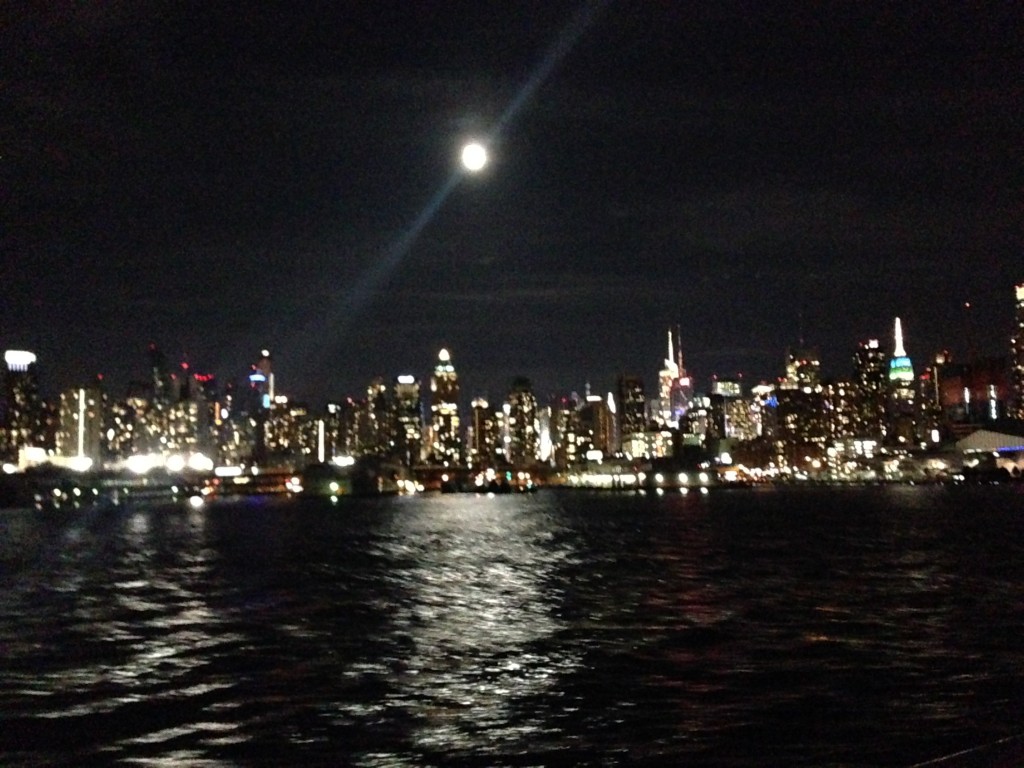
(901, 391)
(81, 425)
(445, 441)
(375, 422)
(261, 396)
(870, 377)
(803, 370)
(484, 439)
(595, 427)
(408, 420)
(261, 379)
(22, 408)
(632, 405)
(521, 410)
(675, 387)
(1017, 348)
(160, 375)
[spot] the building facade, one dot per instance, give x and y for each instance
(22, 410)
(1017, 353)
(445, 431)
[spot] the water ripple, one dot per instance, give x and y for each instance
(860, 627)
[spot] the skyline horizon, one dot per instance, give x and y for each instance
(187, 361)
(218, 179)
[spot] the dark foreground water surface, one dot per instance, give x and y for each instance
(808, 627)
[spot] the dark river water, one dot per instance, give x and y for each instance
(806, 627)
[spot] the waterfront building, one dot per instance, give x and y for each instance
(118, 430)
(484, 438)
(651, 444)
(957, 394)
(258, 403)
(631, 406)
(185, 428)
(341, 428)
(801, 426)
(80, 425)
(870, 391)
(292, 434)
(675, 387)
(545, 447)
(902, 422)
(189, 413)
(445, 437)
(594, 429)
(376, 420)
(159, 376)
(22, 410)
(1017, 353)
(803, 369)
(407, 420)
(732, 416)
(842, 403)
(521, 422)
(764, 410)
(741, 419)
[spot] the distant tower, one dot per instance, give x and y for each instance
(21, 408)
(870, 378)
(445, 446)
(264, 367)
(81, 424)
(261, 388)
(376, 428)
(675, 388)
(632, 404)
(160, 375)
(901, 391)
(483, 447)
(596, 426)
(803, 369)
(1017, 348)
(668, 374)
(522, 423)
(408, 420)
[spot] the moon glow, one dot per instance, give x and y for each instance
(474, 157)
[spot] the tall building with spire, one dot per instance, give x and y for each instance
(675, 388)
(901, 391)
(445, 438)
(1017, 351)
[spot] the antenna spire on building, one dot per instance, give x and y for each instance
(899, 351)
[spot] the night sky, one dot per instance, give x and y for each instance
(219, 178)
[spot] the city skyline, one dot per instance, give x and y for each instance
(219, 180)
(891, 344)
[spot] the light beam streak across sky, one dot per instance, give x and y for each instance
(363, 290)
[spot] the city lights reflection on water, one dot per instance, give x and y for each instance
(479, 609)
(818, 627)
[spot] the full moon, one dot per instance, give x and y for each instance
(474, 157)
